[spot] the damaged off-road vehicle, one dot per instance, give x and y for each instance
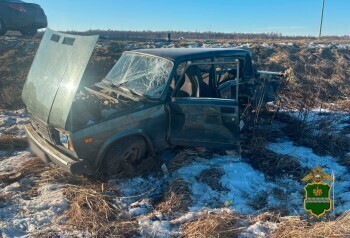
(150, 100)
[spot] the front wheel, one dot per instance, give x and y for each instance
(124, 157)
(3, 28)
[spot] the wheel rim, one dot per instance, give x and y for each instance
(129, 161)
(132, 156)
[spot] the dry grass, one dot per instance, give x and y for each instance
(319, 136)
(90, 210)
(9, 142)
(212, 177)
(339, 105)
(186, 156)
(58, 175)
(215, 224)
(31, 167)
(177, 199)
(267, 216)
(257, 133)
(293, 227)
(314, 76)
(256, 136)
(120, 229)
(273, 164)
(15, 63)
(5, 199)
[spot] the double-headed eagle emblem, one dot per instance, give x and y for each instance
(317, 194)
(317, 175)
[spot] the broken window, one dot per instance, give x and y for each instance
(209, 78)
(145, 75)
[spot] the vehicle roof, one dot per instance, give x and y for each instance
(182, 54)
(12, 1)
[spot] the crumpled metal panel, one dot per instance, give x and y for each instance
(55, 75)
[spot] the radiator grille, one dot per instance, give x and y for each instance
(40, 127)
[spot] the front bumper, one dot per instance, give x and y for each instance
(47, 152)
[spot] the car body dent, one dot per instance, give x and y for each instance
(146, 122)
(163, 122)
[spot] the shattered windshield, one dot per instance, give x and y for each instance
(142, 74)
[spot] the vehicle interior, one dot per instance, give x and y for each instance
(207, 79)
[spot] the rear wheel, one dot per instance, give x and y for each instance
(123, 158)
(3, 29)
(29, 32)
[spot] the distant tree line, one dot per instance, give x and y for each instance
(130, 35)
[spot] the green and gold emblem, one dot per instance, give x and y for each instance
(317, 193)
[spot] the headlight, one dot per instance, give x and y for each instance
(65, 140)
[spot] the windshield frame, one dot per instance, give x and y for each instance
(122, 87)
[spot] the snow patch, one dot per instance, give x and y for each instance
(310, 160)
(24, 216)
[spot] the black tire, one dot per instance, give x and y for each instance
(123, 157)
(29, 32)
(3, 28)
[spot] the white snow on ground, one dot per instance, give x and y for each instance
(10, 161)
(313, 45)
(246, 187)
(321, 118)
(241, 180)
(307, 158)
(21, 215)
(25, 216)
(11, 122)
(245, 190)
(259, 229)
(330, 164)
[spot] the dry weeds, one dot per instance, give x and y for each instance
(89, 210)
(294, 227)
(215, 224)
(31, 167)
(186, 156)
(256, 137)
(9, 142)
(58, 175)
(314, 75)
(319, 136)
(121, 229)
(212, 177)
(273, 164)
(177, 199)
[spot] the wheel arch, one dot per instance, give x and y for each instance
(115, 138)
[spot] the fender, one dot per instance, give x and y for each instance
(106, 145)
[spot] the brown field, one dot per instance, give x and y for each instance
(315, 77)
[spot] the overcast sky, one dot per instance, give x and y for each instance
(289, 17)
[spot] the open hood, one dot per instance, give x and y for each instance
(55, 75)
